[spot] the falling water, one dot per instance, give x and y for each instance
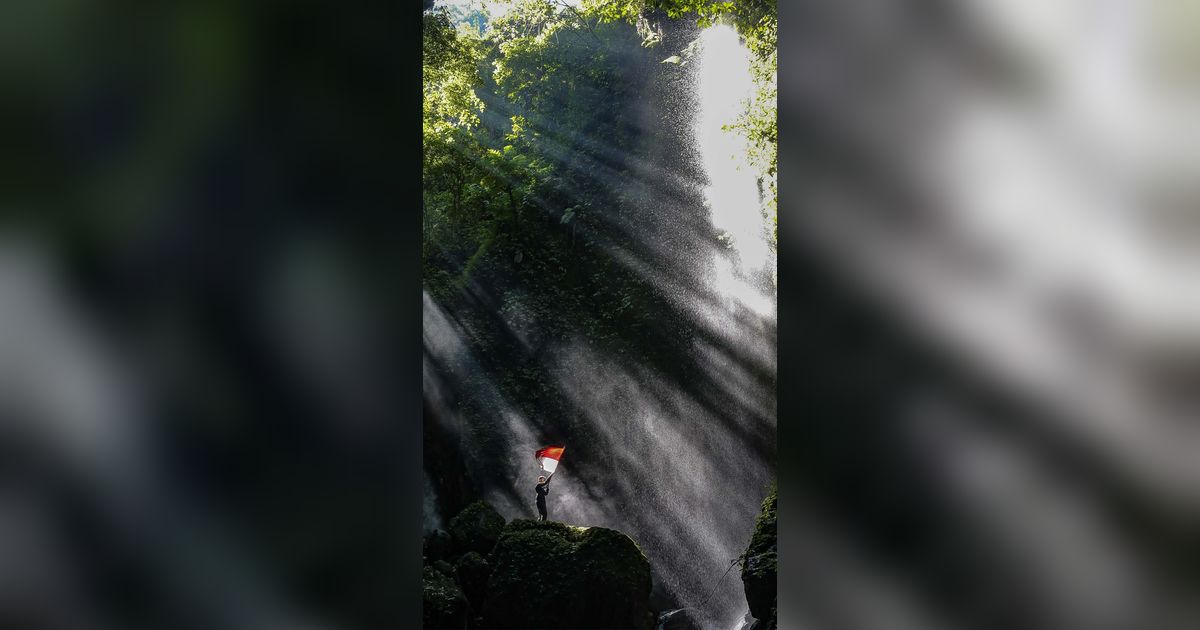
(723, 87)
(744, 312)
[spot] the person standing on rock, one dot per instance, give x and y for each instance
(542, 489)
(548, 459)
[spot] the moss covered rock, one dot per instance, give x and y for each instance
(473, 570)
(444, 605)
(551, 575)
(445, 568)
(476, 528)
(760, 562)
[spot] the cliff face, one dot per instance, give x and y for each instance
(760, 564)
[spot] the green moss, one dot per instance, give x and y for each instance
(760, 562)
(552, 575)
(569, 532)
(476, 528)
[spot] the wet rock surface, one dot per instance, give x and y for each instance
(760, 565)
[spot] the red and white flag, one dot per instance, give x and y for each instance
(548, 457)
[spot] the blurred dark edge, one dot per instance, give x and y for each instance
(229, 195)
(790, 304)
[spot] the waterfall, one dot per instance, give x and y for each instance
(723, 87)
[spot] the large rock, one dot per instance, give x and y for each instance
(551, 575)
(473, 571)
(759, 565)
(444, 605)
(476, 528)
(445, 568)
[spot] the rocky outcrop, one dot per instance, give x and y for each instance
(551, 575)
(759, 566)
(456, 573)
(476, 528)
(485, 574)
(473, 571)
(444, 605)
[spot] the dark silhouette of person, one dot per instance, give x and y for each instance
(542, 489)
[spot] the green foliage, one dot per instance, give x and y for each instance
(471, 16)
(512, 202)
(449, 75)
(552, 575)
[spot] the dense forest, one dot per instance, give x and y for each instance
(578, 289)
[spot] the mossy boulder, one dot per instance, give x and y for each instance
(445, 568)
(444, 605)
(473, 570)
(760, 564)
(551, 575)
(476, 528)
